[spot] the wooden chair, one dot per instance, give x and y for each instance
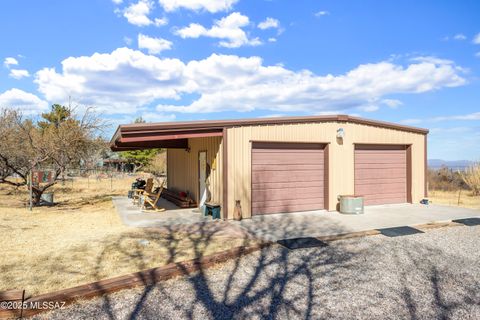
(151, 199)
(137, 193)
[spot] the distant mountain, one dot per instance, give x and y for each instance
(455, 165)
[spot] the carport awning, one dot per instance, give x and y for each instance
(137, 137)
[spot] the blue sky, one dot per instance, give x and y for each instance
(412, 62)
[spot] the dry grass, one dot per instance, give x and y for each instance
(463, 198)
(82, 239)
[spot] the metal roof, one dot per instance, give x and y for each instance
(170, 134)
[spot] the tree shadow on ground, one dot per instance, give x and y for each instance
(375, 277)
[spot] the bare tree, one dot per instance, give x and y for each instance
(56, 142)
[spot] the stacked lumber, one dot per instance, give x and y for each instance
(178, 199)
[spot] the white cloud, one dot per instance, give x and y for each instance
(450, 130)
(392, 103)
(9, 61)
(321, 13)
(458, 37)
(433, 60)
(369, 108)
(24, 101)
(19, 73)
(476, 39)
(117, 1)
(269, 23)
(272, 39)
(127, 80)
(273, 115)
(160, 21)
(228, 28)
(117, 82)
(245, 84)
(477, 54)
(158, 117)
(137, 14)
(211, 6)
(153, 45)
(411, 121)
(471, 116)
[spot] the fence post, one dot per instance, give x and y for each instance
(31, 189)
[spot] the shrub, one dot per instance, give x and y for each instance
(445, 179)
(471, 177)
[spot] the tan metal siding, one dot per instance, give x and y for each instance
(182, 167)
(341, 155)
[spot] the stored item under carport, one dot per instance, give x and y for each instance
(351, 204)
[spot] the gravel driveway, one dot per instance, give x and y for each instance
(422, 276)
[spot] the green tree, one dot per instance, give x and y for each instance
(139, 158)
(58, 115)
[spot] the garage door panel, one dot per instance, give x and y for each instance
(284, 202)
(379, 181)
(383, 165)
(388, 198)
(287, 208)
(286, 151)
(287, 194)
(379, 189)
(287, 177)
(279, 158)
(291, 185)
(374, 202)
(287, 146)
(286, 167)
(381, 174)
(384, 185)
(382, 147)
(394, 160)
(380, 153)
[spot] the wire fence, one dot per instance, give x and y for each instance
(100, 177)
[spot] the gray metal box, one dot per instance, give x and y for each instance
(351, 204)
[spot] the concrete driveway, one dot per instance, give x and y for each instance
(323, 223)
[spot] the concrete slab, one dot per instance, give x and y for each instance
(133, 216)
(175, 219)
(323, 223)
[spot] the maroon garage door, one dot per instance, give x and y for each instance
(381, 173)
(287, 177)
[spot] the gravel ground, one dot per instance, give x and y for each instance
(423, 276)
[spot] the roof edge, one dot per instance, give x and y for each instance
(220, 124)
